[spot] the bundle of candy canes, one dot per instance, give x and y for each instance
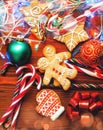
(23, 85)
(93, 72)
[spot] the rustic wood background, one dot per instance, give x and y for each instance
(28, 118)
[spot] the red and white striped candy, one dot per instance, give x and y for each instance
(17, 98)
(73, 23)
(93, 73)
(24, 87)
(17, 109)
(87, 86)
(5, 67)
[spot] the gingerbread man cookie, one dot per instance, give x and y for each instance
(51, 66)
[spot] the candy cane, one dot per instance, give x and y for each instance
(5, 67)
(19, 105)
(87, 86)
(17, 109)
(16, 104)
(37, 76)
(3, 70)
(21, 94)
(18, 98)
(13, 123)
(16, 92)
(81, 17)
(93, 73)
(13, 105)
(50, 23)
(74, 22)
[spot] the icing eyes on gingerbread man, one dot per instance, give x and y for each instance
(52, 67)
(49, 51)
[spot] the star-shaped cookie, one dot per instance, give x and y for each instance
(74, 36)
(33, 16)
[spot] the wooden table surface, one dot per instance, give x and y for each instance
(28, 118)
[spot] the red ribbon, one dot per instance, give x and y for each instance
(83, 102)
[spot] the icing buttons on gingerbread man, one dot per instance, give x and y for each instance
(52, 67)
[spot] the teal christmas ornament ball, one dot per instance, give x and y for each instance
(18, 52)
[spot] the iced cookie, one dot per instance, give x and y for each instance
(74, 36)
(52, 68)
(34, 15)
(49, 104)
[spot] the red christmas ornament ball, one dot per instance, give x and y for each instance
(90, 52)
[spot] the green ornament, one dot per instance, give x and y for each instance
(18, 52)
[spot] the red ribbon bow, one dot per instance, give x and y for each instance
(83, 102)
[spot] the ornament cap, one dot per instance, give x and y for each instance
(20, 38)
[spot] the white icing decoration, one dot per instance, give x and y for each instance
(58, 113)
